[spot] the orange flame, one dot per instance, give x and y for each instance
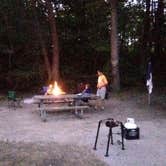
(54, 89)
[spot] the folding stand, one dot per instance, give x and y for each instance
(110, 123)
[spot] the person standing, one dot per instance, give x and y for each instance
(102, 83)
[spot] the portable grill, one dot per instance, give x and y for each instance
(110, 123)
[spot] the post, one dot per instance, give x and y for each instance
(149, 98)
(122, 135)
(98, 129)
(149, 82)
(108, 143)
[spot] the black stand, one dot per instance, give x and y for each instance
(110, 123)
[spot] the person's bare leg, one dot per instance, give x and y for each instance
(103, 104)
(100, 104)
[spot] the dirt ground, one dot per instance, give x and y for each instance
(65, 140)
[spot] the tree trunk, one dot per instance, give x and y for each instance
(10, 43)
(114, 47)
(145, 42)
(54, 37)
(41, 42)
(159, 26)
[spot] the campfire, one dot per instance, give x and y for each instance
(54, 89)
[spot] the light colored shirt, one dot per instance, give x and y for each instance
(102, 81)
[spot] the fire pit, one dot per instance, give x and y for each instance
(54, 89)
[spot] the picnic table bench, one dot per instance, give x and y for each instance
(50, 103)
(78, 110)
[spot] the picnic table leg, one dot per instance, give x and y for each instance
(42, 111)
(39, 106)
(43, 115)
(80, 113)
(76, 111)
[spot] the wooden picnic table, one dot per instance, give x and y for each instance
(47, 103)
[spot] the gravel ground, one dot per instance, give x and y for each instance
(24, 127)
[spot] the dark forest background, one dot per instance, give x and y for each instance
(81, 31)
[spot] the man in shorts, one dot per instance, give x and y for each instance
(101, 87)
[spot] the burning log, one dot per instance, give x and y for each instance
(54, 89)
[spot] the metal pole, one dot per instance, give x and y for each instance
(149, 98)
(108, 143)
(122, 135)
(98, 129)
(111, 137)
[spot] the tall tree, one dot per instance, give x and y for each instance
(51, 58)
(114, 46)
(158, 28)
(54, 37)
(10, 43)
(42, 44)
(146, 40)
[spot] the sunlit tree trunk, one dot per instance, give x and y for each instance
(114, 46)
(54, 37)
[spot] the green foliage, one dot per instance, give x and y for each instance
(84, 38)
(22, 80)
